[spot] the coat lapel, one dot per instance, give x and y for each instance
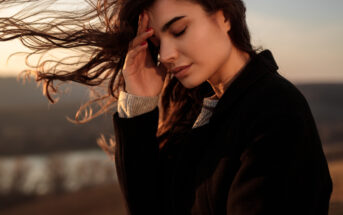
(258, 66)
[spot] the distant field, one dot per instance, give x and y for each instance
(30, 125)
(336, 170)
(39, 130)
(107, 200)
(102, 200)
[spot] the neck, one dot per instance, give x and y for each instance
(229, 71)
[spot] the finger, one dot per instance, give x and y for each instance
(142, 23)
(139, 29)
(138, 49)
(141, 38)
(145, 21)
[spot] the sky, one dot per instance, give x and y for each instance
(305, 37)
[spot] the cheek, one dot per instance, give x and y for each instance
(206, 42)
(199, 38)
(208, 49)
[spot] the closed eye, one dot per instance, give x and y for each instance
(175, 35)
(180, 33)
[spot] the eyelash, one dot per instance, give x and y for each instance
(175, 35)
(180, 33)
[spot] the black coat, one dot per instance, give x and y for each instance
(259, 154)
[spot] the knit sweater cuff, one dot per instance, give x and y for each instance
(130, 105)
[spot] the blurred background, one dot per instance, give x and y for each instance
(51, 166)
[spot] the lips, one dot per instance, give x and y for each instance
(178, 69)
(181, 72)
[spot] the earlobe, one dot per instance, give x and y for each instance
(228, 25)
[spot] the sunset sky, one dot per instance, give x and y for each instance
(305, 36)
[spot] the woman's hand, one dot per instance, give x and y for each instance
(142, 76)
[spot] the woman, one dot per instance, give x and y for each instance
(231, 135)
(259, 153)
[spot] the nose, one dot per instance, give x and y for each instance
(168, 53)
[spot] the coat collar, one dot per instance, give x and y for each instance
(258, 66)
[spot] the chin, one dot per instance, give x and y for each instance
(190, 84)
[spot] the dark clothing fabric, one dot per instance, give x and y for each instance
(259, 154)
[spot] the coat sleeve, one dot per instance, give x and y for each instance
(283, 169)
(136, 159)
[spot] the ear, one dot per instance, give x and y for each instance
(223, 22)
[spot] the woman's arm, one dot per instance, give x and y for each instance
(283, 169)
(136, 158)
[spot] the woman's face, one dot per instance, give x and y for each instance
(193, 38)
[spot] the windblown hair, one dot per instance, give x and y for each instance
(100, 31)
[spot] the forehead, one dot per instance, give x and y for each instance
(164, 10)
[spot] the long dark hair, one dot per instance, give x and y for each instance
(100, 33)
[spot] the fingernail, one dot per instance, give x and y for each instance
(143, 43)
(149, 29)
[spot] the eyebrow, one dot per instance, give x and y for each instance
(167, 25)
(170, 22)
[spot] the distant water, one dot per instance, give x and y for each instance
(39, 175)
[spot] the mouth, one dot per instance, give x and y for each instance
(180, 71)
